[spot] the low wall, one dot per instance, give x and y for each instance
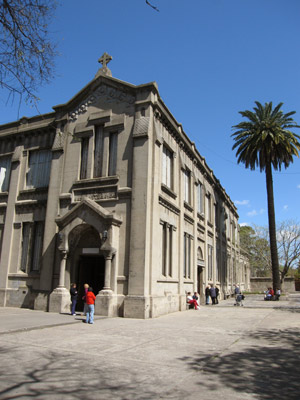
(259, 284)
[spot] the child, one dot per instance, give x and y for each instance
(85, 287)
(90, 302)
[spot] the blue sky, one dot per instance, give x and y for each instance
(210, 59)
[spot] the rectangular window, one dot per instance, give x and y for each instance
(210, 262)
(217, 219)
(167, 250)
(208, 207)
(228, 228)
(187, 256)
(218, 264)
(39, 166)
(5, 163)
(26, 239)
(200, 198)
(112, 161)
(1, 236)
(98, 151)
(164, 250)
(187, 186)
(167, 168)
(84, 157)
(37, 245)
(170, 269)
(32, 242)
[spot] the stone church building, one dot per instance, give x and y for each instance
(109, 190)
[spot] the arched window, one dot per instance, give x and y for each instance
(200, 254)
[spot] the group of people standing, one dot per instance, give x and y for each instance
(211, 292)
(89, 302)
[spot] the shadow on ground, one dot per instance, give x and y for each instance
(59, 377)
(269, 368)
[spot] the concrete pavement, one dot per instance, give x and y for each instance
(221, 352)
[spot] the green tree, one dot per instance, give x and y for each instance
(265, 141)
(257, 249)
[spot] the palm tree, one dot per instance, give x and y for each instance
(263, 141)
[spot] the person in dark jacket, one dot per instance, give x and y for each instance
(217, 294)
(213, 294)
(74, 296)
(207, 295)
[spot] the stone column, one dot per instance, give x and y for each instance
(106, 299)
(107, 278)
(63, 261)
(60, 297)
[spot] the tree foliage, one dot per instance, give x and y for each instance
(288, 239)
(257, 249)
(255, 241)
(26, 49)
(264, 140)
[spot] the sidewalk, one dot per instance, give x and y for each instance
(17, 319)
(221, 352)
(23, 319)
(257, 301)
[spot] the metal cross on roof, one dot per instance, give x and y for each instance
(105, 59)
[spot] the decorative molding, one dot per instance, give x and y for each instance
(17, 155)
(108, 94)
(33, 195)
(95, 182)
(30, 205)
(188, 207)
(141, 127)
(95, 193)
(124, 192)
(165, 203)
(121, 278)
(188, 219)
(59, 140)
(168, 191)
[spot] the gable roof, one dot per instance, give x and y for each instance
(94, 208)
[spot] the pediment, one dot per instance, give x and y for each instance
(108, 90)
(86, 209)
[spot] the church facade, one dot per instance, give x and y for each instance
(109, 190)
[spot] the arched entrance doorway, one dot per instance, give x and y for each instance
(87, 235)
(90, 270)
(86, 263)
(200, 273)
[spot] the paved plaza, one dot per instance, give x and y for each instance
(219, 352)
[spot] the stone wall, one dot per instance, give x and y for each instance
(259, 284)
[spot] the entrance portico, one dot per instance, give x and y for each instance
(85, 231)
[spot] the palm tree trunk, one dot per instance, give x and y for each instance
(272, 228)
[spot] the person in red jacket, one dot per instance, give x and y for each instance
(90, 302)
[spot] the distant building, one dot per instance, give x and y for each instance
(109, 190)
